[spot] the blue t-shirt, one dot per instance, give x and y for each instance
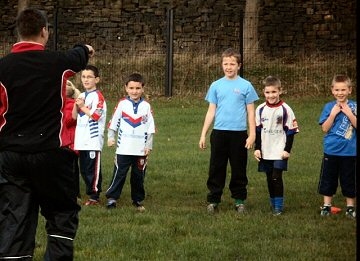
(340, 140)
(231, 98)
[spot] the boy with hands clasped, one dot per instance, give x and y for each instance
(338, 121)
(134, 123)
(90, 112)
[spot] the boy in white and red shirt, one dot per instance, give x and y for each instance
(134, 123)
(276, 127)
(90, 113)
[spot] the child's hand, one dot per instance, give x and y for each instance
(250, 142)
(344, 107)
(257, 155)
(202, 143)
(80, 102)
(336, 109)
(111, 142)
(285, 155)
(147, 152)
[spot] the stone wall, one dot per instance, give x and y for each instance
(285, 27)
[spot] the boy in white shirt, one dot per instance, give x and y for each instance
(276, 127)
(134, 123)
(90, 114)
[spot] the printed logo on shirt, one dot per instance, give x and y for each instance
(144, 119)
(92, 154)
(237, 91)
(349, 132)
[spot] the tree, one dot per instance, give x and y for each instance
(251, 17)
(22, 4)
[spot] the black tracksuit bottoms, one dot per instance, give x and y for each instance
(227, 147)
(33, 181)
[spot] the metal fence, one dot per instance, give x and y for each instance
(194, 68)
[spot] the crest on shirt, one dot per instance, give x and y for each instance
(144, 119)
(279, 120)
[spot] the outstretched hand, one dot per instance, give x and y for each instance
(91, 50)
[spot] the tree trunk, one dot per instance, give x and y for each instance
(22, 4)
(251, 17)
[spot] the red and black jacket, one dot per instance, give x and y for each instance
(32, 96)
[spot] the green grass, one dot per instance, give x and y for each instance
(176, 225)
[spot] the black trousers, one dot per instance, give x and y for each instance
(29, 182)
(121, 168)
(227, 147)
(90, 169)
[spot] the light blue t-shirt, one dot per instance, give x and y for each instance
(231, 98)
(340, 140)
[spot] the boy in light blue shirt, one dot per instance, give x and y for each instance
(231, 104)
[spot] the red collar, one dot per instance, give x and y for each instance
(27, 46)
(275, 105)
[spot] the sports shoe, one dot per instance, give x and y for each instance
(212, 208)
(277, 212)
(240, 208)
(139, 206)
(350, 212)
(325, 211)
(92, 202)
(111, 204)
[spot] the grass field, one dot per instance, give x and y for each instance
(176, 225)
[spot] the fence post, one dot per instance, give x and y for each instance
(241, 43)
(169, 52)
(55, 29)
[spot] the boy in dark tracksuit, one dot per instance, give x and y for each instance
(36, 163)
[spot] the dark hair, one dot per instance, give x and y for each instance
(30, 22)
(135, 77)
(93, 68)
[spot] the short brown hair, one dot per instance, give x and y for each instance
(232, 52)
(341, 78)
(272, 81)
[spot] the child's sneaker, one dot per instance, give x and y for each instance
(325, 211)
(92, 202)
(139, 206)
(212, 208)
(240, 208)
(111, 203)
(350, 212)
(277, 212)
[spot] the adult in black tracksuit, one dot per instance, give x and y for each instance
(36, 165)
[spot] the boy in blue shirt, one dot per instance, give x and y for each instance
(231, 104)
(339, 121)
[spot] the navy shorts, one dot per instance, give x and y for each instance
(269, 165)
(335, 170)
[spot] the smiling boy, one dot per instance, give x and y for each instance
(134, 123)
(338, 121)
(90, 114)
